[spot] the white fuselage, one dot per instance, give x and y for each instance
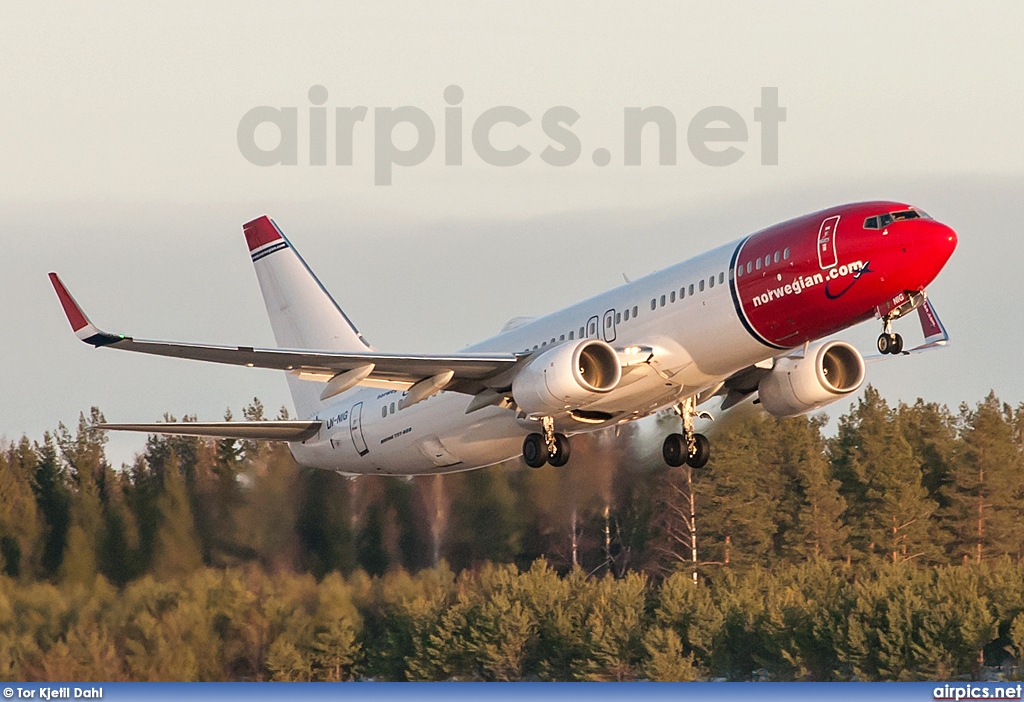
(698, 341)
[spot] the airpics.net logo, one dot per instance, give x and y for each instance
(715, 136)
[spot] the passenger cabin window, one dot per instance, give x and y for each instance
(634, 310)
(776, 257)
(618, 317)
(662, 300)
(749, 266)
(562, 337)
(625, 315)
(384, 411)
(785, 254)
(572, 335)
(672, 296)
(767, 260)
(654, 304)
(582, 334)
(757, 265)
(392, 408)
(702, 285)
(690, 289)
(721, 275)
(682, 292)
(711, 282)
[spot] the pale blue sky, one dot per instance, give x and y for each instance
(122, 172)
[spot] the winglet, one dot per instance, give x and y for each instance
(80, 324)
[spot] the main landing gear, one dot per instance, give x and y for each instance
(688, 448)
(888, 342)
(548, 447)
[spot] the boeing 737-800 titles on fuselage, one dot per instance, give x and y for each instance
(743, 321)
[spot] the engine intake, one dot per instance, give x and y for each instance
(567, 377)
(828, 371)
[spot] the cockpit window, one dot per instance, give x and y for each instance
(884, 220)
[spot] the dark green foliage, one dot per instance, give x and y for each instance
(892, 551)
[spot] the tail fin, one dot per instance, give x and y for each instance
(302, 313)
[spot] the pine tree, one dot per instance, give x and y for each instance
(484, 524)
(738, 496)
(87, 463)
(811, 522)
(987, 485)
(931, 431)
(53, 497)
(176, 548)
(21, 523)
(888, 509)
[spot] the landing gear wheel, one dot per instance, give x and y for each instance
(890, 343)
(535, 450)
(884, 343)
(562, 451)
(701, 452)
(674, 450)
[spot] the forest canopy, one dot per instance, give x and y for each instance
(890, 550)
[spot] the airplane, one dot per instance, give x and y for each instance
(745, 322)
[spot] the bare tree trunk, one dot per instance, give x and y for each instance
(439, 523)
(693, 521)
(575, 541)
(607, 536)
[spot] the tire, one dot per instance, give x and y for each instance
(562, 451)
(674, 450)
(702, 452)
(897, 344)
(884, 343)
(535, 451)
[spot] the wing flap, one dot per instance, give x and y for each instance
(270, 430)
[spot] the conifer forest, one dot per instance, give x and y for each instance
(887, 545)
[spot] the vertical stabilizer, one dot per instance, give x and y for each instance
(302, 313)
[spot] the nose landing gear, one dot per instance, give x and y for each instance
(888, 342)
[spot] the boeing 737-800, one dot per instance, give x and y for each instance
(745, 321)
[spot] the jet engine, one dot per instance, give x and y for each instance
(566, 377)
(827, 372)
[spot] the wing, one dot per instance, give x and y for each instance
(469, 373)
(273, 430)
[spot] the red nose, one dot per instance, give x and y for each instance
(933, 244)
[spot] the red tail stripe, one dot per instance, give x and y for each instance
(260, 232)
(71, 308)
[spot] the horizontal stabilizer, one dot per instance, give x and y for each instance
(270, 430)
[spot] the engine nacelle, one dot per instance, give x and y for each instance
(566, 377)
(828, 371)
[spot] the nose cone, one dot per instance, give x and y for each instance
(933, 244)
(942, 241)
(950, 241)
